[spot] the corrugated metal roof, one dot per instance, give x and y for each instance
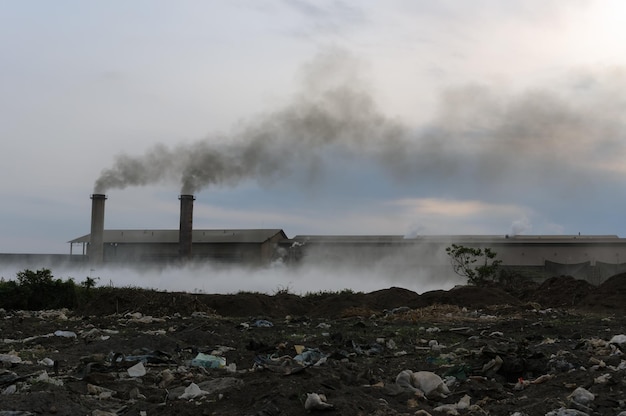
(262, 235)
(350, 239)
(458, 239)
(171, 236)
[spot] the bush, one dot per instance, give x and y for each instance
(37, 290)
(10, 295)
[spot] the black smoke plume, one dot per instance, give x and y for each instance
(552, 137)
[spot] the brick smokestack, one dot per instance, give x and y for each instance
(96, 238)
(186, 226)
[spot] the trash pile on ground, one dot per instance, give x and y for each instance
(387, 354)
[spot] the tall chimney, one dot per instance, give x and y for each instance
(96, 238)
(186, 226)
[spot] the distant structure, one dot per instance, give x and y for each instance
(247, 246)
(591, 257)
(185, 229)
(96, 255)
(594, 258)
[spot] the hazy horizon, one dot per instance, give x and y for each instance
(207, 277)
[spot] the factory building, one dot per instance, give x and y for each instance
(243, 246)
(591, 257)
(594, 258)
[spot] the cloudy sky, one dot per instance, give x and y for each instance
(318, 117)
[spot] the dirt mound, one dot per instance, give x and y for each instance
(555, 292)
(610, 295)
(562, 291)
(81, 362)
(468, 296)
(346, 303)
(254, 304)
(108, 301)
(248, 304)
(189, 364)
(391, 298)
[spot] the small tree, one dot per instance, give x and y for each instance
(463, 260)
(40, 290)
(89, 283)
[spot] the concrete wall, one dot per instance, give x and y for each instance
(245, 253)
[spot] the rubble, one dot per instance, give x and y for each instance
(395, 357)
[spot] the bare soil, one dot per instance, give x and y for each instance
(545, 340)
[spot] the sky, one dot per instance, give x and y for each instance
(403, 117)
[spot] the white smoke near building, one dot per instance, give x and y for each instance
(521, 226)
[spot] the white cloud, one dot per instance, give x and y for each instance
(456, 217)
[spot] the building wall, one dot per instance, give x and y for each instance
(245, 253)
(594, 262)
(533, 254)
(526, 254)
(130, 252)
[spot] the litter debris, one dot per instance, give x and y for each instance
(516, 363)
(310, 356)
(48, 362)
(581, 396)
(65, 334)
(148, 357)
(618, 339)
(492, 367)
(95, 334)
(9, 390)
(453, 408)
(193, 391)
(604, 378)
(426, 382)
(283, 365)
(315, 401)
(166, 377)
(562, 411)
(101, 392)
(208, 361)
(208, 387)
(45, 378)
(138, 370)
(10, 358)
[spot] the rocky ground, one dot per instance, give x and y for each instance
(550, 349)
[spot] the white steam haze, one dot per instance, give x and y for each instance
(327, 117)
(211, 278)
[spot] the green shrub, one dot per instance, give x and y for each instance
(37, 290)
(10, 295)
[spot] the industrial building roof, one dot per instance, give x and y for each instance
(171, 236)
(262, 235)
(458, 239)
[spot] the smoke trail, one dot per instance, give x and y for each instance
(521, 226)
(339, 116)
(481, 136)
